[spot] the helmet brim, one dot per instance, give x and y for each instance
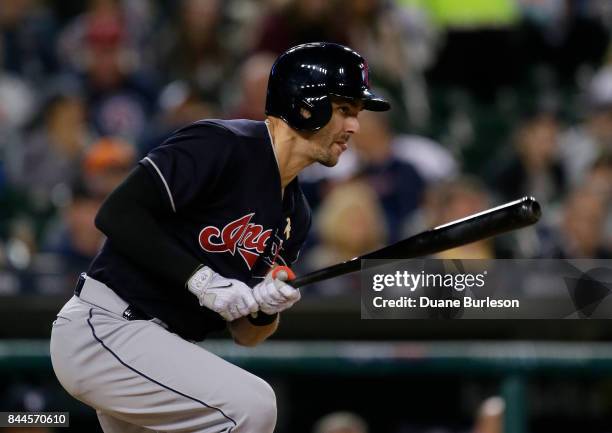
(373, 102)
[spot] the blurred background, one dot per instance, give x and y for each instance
(492, 100)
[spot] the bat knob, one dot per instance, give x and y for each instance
(283, 272)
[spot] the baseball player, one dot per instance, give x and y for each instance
(192, 236)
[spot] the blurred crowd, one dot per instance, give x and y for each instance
(492, 101)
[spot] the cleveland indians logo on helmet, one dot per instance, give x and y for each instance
(365, 73)
(240, 235)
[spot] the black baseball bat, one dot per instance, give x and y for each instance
(491, 222)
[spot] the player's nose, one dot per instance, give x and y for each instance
(351, 125)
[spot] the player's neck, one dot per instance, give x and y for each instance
(287, 144)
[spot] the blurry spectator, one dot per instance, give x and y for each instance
(245, 20)
(51, 154)
(582, 225)
(70, 240)
(41, 166)
(121, 95)
(253, 86)
(194, 48)
(341, 422)
(106, 163)
(399, 45)
(101, 20)
(460, 198)
(397, 183)
(490, 416)
(433, 162)
(73, 236)
(454, 200)
(349, 222)
(298, 22)
(27, 40)
(16, 108)
(21, 243)
(133, 17)
(180, 104)
(532, 167)
(580, 233)
(17, 100)
(599, 177)
(141, 21)
(566, 35)
(583, 143)
(599, 180)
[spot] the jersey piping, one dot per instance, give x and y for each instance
(164, 181)
(267, 122)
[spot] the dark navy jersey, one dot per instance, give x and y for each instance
(221, 181)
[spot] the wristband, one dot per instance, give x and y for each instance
(200, 266)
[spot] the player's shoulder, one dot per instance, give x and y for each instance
(241, 139)
(242, 128)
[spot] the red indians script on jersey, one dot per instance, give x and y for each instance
(242, 235)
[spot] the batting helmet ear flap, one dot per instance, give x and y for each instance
(310, 114)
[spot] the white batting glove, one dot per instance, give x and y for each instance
(274, 295)
(230, 298)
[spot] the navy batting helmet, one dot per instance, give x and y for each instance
(304, 77)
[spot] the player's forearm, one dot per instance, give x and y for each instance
(247, 334)
(128, 219)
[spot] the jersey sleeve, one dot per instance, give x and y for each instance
(190, 162)
(301, 221)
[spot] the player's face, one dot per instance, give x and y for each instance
(331, 140)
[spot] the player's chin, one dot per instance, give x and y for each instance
(328, 163)
(330, 160)
(333, 154)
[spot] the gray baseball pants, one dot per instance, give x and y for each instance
(142, 378)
